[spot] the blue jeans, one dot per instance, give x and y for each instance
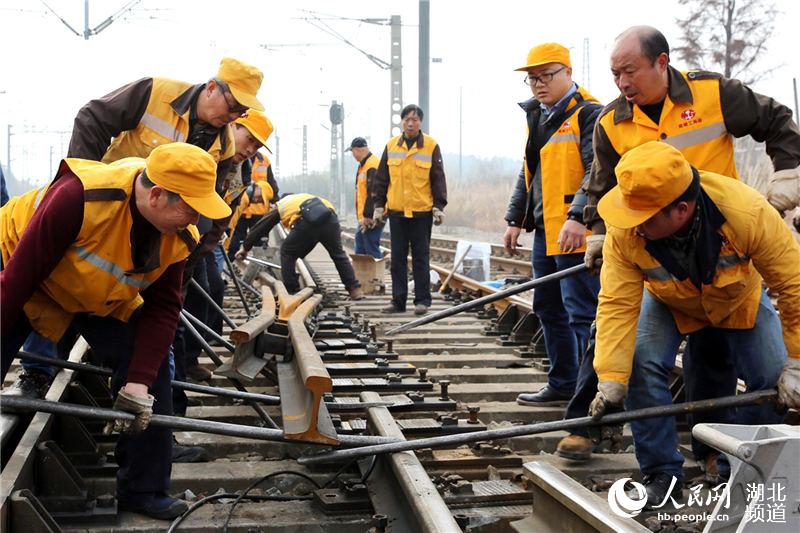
(565, 310)
(369, 242)
(756, 354)
(40, 345)
(219, 258)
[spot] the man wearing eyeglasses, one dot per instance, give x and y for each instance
(548, 201)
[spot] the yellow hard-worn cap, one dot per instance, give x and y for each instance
(649, 178)
(190, 172)
(547, 53)
(243, 80)
(258, 124)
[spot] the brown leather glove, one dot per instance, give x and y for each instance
(140, 406)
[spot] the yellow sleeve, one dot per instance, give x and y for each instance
(776, 255)
(620, 299)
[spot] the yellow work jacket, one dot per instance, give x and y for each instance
(289, 207)
(250, 208)
(162, 124)
(562, 173)
(371, 162)
(755, 242)
(96, 274)
(409, 176)
(695, 127)
(260, 168)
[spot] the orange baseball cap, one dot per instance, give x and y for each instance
(547, 53)
(258, 124)
(189, 172)
(649, 178)
(244, 81)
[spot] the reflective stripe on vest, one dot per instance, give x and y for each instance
(113, 269)
(409, 176)
(162, 128)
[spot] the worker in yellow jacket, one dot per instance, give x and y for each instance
(311, 220)
(102, 249)
(686, 253)
(368, 233)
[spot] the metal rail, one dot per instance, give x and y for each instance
(302, 383)
(399, 487)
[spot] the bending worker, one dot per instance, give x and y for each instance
(698, 243)
(310, 220)
(102, 249)
(697, 112)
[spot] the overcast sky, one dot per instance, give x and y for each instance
(48, 72)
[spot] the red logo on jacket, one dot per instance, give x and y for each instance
(688, 114)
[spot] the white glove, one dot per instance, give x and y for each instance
(438, 216)
(783, 190)
(609, 394)
(789, 384)
(593, 257)
(378, 215)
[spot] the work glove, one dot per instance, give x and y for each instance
(140, 406)
(783, 189)
(789, 384)
(438, 216)
(610, 395)
(378, 215)
(593, 258)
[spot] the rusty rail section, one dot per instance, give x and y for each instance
(302, 383)
(246, 362)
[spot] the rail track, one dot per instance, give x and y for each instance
(337, 378)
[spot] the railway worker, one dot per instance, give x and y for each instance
(699, 113)
(698, 243)
(410, 190)
(102, 249)
(548, 200)
(252, 182)
(368, 235)
(136, 118)
(310, 220)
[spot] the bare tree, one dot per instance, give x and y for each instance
(727, 36)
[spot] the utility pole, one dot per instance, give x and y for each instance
(277, 154)
(394, 65)
(796, 109)
(51, 162)
(396, 97)
(585, 76)
(336, 166)
(87, 31)
(424, 60)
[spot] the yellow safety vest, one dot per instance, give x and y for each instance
(696, 128)
(409, 175)
(260, 167)
(249, 208)
(753, 235)
(289, 207)
(162, 124)
(361, 183)
(562, 173)
(96, 274)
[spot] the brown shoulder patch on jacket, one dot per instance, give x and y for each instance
(104, 195)
(187, 238)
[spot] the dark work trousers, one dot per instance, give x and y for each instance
(302, 238)
(586, 388)
(239, 233)
(186, 347)
(414, 233)
(216, 289)
(145, 460)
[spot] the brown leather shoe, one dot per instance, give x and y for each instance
(356, 293)
(198, 373)
(575, 448)
(420, 309)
